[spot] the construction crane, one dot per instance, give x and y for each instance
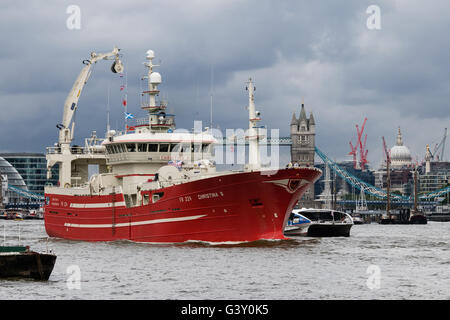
(388, 179)
(441, 146)
(362, 148)
(353, 152)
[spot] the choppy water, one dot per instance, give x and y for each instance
(413, 262)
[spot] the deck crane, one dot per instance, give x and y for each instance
(66, 128)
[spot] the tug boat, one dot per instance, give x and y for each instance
(158, 184)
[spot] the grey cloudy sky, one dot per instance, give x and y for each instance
(321, 51)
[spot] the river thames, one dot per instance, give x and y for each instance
(381, 262)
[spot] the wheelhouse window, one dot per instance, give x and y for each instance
(142, 147)
(175, 147)
(164, 147)
(153, 147)
(131, 147)
(205, 147)
(186, 147)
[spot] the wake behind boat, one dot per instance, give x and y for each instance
(159, 184)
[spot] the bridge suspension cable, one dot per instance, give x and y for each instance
(26, 194)
(370, 189)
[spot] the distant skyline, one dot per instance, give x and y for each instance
(397, 75)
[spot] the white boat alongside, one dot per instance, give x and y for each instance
(357, 219)
(327, 222)
(297, 225)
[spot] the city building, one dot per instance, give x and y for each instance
(303, 132)
(32, 167)
(436, 177)
(401, 169)
(10, 176)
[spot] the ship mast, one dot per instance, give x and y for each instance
(158, 120)
(253, 135)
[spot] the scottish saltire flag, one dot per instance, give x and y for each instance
(128, 115)
(177, 163)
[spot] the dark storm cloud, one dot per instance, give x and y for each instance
(321, 50)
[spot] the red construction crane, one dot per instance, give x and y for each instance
(362, 148)
(353, 152)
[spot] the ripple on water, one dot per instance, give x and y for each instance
(413, 263)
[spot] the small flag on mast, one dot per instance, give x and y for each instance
(124, 102)
(128, 115)
(122, 87)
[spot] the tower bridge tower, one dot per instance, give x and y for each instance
(303, 135)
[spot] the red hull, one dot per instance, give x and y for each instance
(234, 207)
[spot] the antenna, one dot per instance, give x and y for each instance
(108, 127)
(211, 95)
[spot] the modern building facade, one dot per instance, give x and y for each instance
(13, 178)
(436, 177)
(32, 167)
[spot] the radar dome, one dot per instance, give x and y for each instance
(155, 78)
(150, 54)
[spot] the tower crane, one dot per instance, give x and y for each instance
(441, 146)
(388, 179)
(362, 147)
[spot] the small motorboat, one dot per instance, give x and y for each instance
(327, 222)
(297, 225)
(357, 218)
(21, 262)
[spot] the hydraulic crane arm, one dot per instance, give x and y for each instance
(66, 128)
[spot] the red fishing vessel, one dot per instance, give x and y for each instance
(159, 184)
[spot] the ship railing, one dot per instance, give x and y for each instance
(97, 149)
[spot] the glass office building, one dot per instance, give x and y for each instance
(33, 169)
(11, 177)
